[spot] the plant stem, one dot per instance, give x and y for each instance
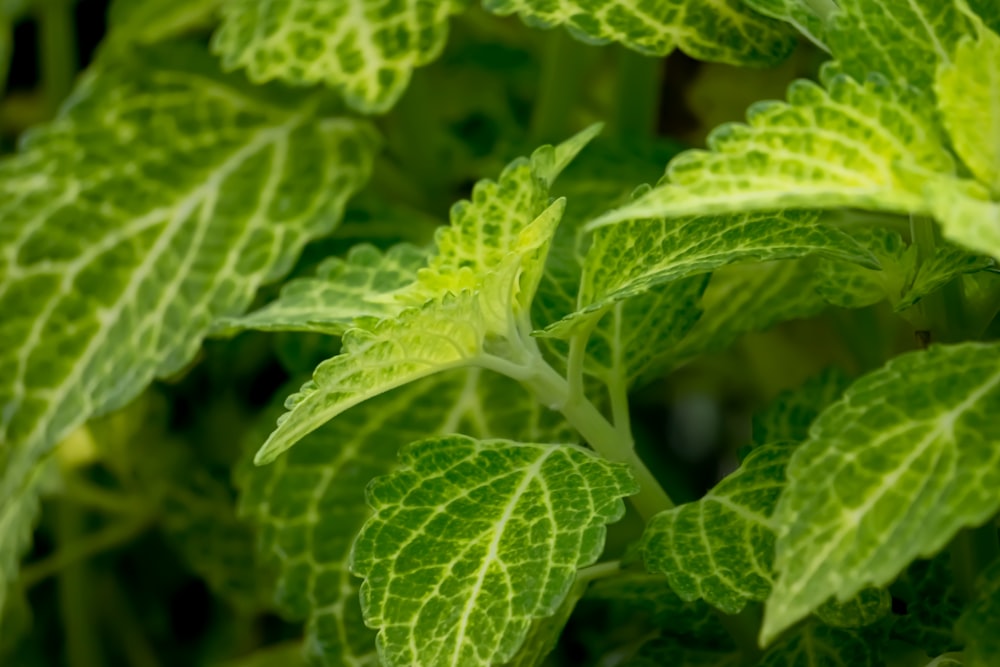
(972, 551)
(563, 67)
(744, 628)
(76, 597)
(943, 309)
(57, 51)
(637, 104)
(83, 547)
(553, 390)
(127, 629)
(417, 135)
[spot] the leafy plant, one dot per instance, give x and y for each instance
(472, 465)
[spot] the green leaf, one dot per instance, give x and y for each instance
(114, 270)
(720, 548)
(890, 473)
(475, 293)
(809, 17)
(632, 257)
(902, 40)
(343, 291)
(436, 337)
(504, 220)
(948, 660)
(866, 608)
(968, 92)
(309, 505)
(966, 214)
(845, 145)
(789, 416)
(716, 31)
(674, 652)
(366, 51)
(977, 625)
(634, 341)
(751, 297)
(816, 645)
(544, 634)
(904, 279)
(647, 600)
(149, 21)
(471, 540)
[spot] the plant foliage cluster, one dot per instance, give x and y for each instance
(240, 201)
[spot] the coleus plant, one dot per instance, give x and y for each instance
(439, 493)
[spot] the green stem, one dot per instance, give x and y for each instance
(134, 643)
(564, 65)
(82, 547)
(943, 308)
(617, 388)
(416, 136)
(972, 551)
(744, 628)
(637, 104)
(81, 491)
(76, 596)
(553, 390)
(57, 51)
(598, 571)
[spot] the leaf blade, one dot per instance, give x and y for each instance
(367, 52)
(498, 486)
(860, 448)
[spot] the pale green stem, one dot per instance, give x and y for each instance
(57, 51)
(617, 387)
(81, 647)
(944, 308)
(577, 357)
(744, 628)
(972, 551)
(83, 547)
(128, 631)
(637, 104)
(83, 492)
(598, 571)
(564, 65)
(553, 390)
(822, 8)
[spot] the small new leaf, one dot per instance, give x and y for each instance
(343, 291)
(474, 297)
(441, 335)
(720, 548)
(891, 472)
(471, 540)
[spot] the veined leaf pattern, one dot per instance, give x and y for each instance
(890, 473)
(113, 270)
(471, 540)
